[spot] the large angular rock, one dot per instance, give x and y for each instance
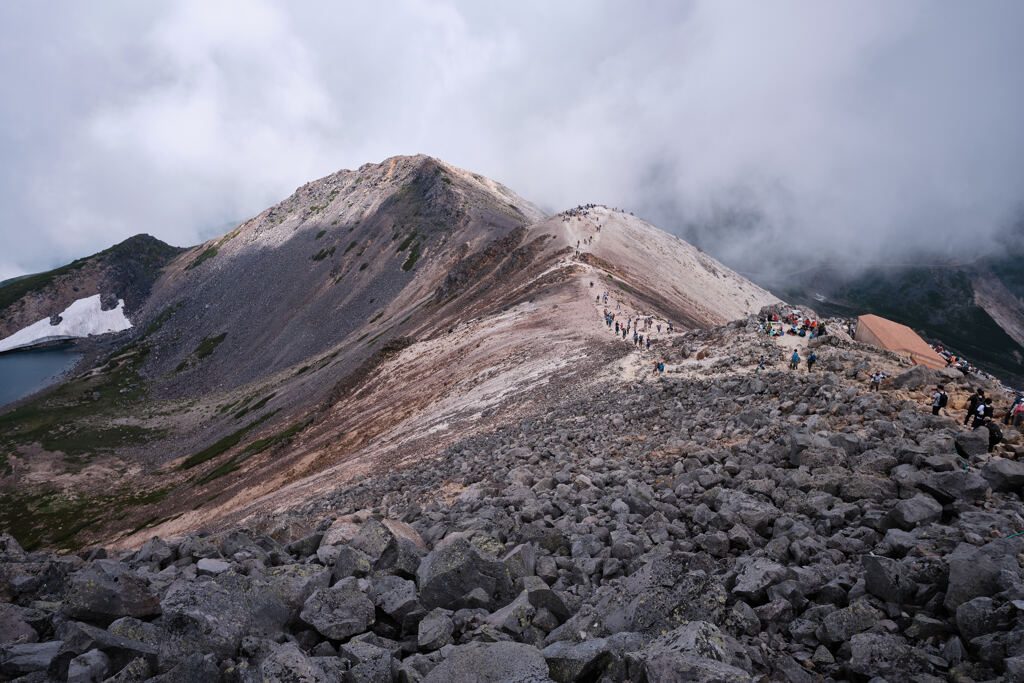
(14, 626)
(339, 612)
(368, 663)
(755, 576)
(26, 658)
(737, 507)
(656, 598)
(435, 630)
(212, 615)
(914, 378)
(1004, 475)
(292, 584)
(586, 661)
(79, 638)
(884, 656)
(976, 572)
(288, 663)
(396, 597)
(695, 651)
(90, 667)
(503, 662)
(451, 571)
(921, 509)
(971, 444)
(887, 579)
(106, 590)
(947, 487)
(840, 625)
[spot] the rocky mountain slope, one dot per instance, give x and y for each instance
(708, 523)
(375, 316)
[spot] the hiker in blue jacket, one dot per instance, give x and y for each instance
(794, 362)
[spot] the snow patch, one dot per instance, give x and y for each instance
(83, 318)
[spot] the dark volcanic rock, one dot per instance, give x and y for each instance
(106, 590)
(340, 611)
(491, 663)
(452, 571)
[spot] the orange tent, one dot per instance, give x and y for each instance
(885, 334)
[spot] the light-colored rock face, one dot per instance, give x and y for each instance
(83, 318)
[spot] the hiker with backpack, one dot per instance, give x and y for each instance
(810, 360)
(794, 362)
(972, 403)
(760, 365)
(939, 399)
(876, 381)
(995, 435)
(983, 412)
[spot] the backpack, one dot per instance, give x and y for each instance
(943, 399)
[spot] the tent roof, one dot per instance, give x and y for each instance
(902, 339)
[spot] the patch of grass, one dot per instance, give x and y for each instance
(50, 518)
(350, 247)
(320, 234)
(255, 406)
(414, 255)
(207, 254)
(208, 345)
(405, 319)
(322, 254)
(380, 334)
(159, 321)
(79, 417)
(406, 242)
(364, 266)
(260, 445)
(221, 445)
(376, 317)
(304, 368)
(363, 336)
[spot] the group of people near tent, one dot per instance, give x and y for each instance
(795, 323)
(960, 363)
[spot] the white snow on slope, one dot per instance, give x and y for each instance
(81, 319)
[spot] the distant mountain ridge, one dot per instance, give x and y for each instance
(126, 271)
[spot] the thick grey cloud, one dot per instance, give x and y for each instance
(756, 129)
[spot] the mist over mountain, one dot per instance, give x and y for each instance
(801, 132)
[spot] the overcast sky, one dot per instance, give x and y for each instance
(754, 128)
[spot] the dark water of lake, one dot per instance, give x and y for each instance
(25, 372)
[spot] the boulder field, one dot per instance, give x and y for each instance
(779, 526)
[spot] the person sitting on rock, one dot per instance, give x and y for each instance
(939, 399)
(972, 403)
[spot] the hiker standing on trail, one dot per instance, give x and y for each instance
(760, 365)
(972, 403)
(794, 362)
(641, 342)
(648, 343)
(939, 399)
(810, 360)
(876, 381)
(616, 327)
(634, 337)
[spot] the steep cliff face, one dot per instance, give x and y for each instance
(372, 317)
